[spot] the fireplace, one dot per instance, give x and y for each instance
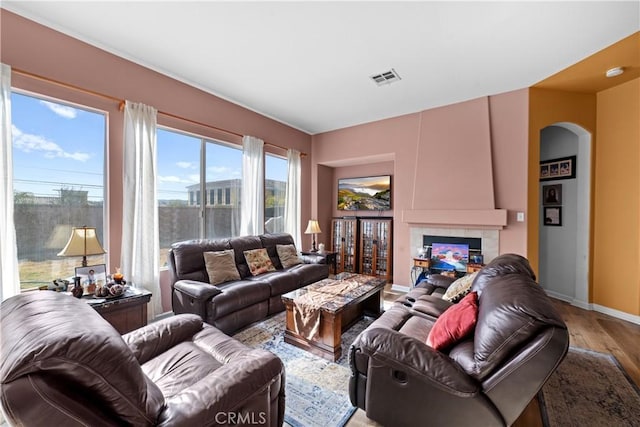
(484, 241)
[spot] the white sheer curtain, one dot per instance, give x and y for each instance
(252, 200)
(140, 241)
(9, 275)
(292, 197)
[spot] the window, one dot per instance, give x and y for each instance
(274, 193)
(58, 183)
(182, 214)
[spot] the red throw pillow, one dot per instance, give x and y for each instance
(455, 323)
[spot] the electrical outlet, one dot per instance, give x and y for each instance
(520, 217)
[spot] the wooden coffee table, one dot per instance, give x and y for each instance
(334, 305)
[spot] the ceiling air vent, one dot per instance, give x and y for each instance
(386, 78)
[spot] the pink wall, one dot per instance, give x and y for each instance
(31, 47)
(476, 149)
(457, 135)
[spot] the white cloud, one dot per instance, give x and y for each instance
(186, 165)
(36, 143)
(173, 179)
(61, 110)
(222, 172)
(193, 178)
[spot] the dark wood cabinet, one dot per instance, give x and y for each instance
(126, 313)
(375, 248)
(363, 245)
(344, 241)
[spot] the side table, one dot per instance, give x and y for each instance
(330, 258)
(125, 313)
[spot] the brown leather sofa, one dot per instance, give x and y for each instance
(232, 305)
(62, 364)
(486, 379)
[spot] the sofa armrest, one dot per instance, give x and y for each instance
(197, 290)
(241, 387)
(313, 259)
(414, 358)
(153, 339)
(438, 280)
(191, 296)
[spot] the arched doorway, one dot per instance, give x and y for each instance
(564, 250)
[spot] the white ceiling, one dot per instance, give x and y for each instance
(307, 64)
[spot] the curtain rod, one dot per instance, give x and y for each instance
(121, 104)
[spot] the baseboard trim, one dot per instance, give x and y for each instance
(399, 288)
(163, 316)
(617, 314)
(595, 307)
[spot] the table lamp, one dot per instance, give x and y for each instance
(313, 228)
(83, 242)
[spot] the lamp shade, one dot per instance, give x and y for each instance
(312, 227)
(83, 242)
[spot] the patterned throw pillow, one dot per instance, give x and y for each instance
(258, 261)
(455, 323)
(288, 255)
(221, 266)
(459, 288)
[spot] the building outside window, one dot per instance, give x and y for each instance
(58, 183)
(274, 193)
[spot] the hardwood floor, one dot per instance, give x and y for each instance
(587, 329)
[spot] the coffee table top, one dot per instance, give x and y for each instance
(334, 294)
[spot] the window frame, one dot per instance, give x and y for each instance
(39, 95)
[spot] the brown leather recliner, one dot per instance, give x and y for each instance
(62, 364)
(486, 379)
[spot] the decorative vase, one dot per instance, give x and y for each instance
(77, 291)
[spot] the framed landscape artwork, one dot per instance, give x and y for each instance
(371, 193)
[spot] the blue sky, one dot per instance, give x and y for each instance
(58, 146)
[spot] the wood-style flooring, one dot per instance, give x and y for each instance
(587, 329)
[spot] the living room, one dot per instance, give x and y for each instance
(488, 148)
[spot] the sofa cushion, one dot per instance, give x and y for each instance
(258, 261)
(270, 241)
(288, 255)
(241, 244)
(238, 295)
(221, 266)
(455, 323)
(306, 274)
(458, 289)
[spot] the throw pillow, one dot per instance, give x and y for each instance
(258, 261)
(288, 255)
(459, 288)
(455, 323)
(221, 266)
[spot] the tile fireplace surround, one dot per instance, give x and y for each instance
(490, 238)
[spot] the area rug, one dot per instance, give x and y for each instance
(317, 390)
(590, 389)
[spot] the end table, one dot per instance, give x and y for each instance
(125, 313)
(330, 258)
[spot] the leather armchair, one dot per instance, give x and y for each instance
(486, 379)
(62, 364)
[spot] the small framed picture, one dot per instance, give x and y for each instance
(561, 168)
(92, 274)
(552, 195)
(553, 216)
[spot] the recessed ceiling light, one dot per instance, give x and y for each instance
(614, 72)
